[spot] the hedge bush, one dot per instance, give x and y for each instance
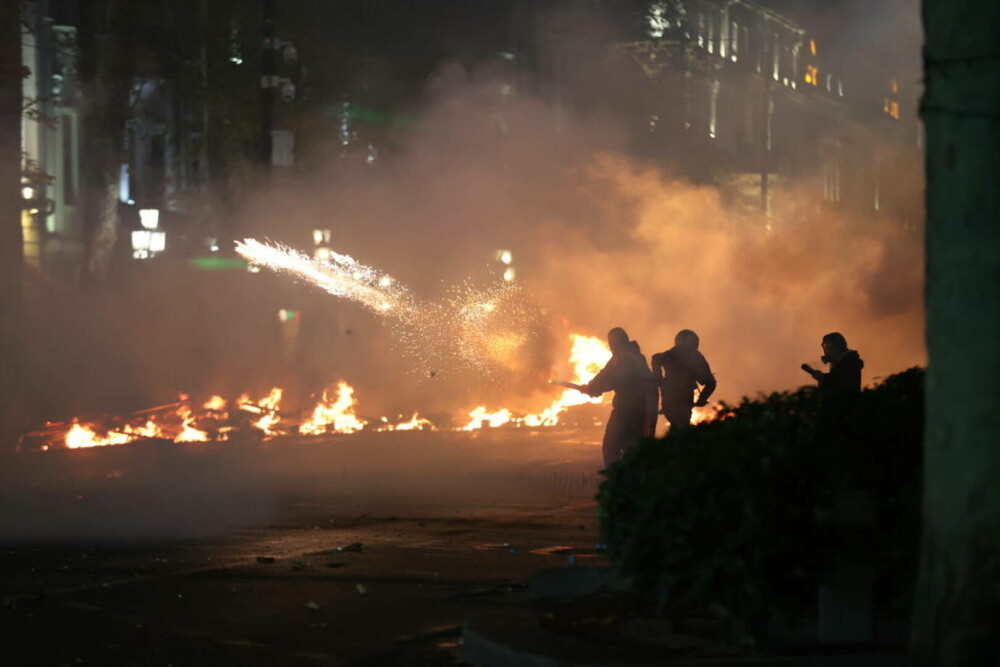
(739, 512)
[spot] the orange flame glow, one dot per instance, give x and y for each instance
(415, 423)
(588, 355)
(335, 416)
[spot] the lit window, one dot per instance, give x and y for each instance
(812, 46)
(812, 75)
(149, 218)
(891, 108)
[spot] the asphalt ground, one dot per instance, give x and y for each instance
(369, 549)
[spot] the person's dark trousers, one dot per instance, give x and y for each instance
(623, 432)
(678, 414)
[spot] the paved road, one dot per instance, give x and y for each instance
(209, 555)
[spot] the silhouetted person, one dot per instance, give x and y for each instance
(839, 387)
(628, 375)
(679, 372)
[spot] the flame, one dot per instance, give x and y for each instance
(479, 418)
(588, 355)
(216, 403)
(415, 423)
(336, 416)
(266, 407)
(189, 432)
(705, 414)
(80, 436)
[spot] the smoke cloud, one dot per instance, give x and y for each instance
(602, 240)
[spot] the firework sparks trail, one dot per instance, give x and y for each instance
(341, 276)
(480, 328)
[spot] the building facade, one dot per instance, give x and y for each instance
(733, 94)
(50, 142)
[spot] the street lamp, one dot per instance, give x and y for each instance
(506, 257)
(150, 240)
(321, 241)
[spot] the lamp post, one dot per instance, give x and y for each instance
(150, 240)
(321, 243)
(506, 258)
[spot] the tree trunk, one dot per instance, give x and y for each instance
(106, 74)
(956, 619)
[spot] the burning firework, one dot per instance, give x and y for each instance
(340, 275)
(478, 328)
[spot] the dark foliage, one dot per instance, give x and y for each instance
(745, 512)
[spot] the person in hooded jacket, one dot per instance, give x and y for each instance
(628, 375)
(842, 383)
(679, 372)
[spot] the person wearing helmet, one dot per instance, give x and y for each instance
(679, 372)
(628, 375)
(842, 383)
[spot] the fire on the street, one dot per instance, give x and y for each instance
(335, 412)
(587, 356)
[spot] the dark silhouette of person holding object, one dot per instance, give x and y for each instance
(628, 375)
(679, 372)
(842, 384)
(843, 381)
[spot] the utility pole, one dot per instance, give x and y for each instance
(267, 80)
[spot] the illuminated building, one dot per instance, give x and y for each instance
(730, 93)
(51, 223)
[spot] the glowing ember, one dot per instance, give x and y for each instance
(335, 416)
